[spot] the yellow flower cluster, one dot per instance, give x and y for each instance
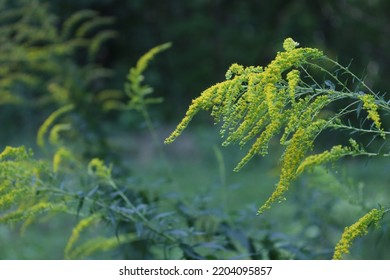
(335, 153)
(372, 109)
(96, 167)
(301, 142)
(360, 228)
(49, 121)
(303, 114)
(18, 175)
(15, 153)
(256, 103)
(293, 80)
(23, 214)
(251, 101)
(9, 197)
(100, 244)
(82, 225)
(289, 44)
(61, 154)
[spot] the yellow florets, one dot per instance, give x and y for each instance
(293, 80)
(295, 152)
(289, 44)
(234, 69)
(99, 169)
(335, 153)
(61, 154)
(238, 101)
(372, 109)
(82, 225)
(255, 103)
(15, 153)
(360, 228)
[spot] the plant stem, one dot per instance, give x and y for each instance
(343, 126)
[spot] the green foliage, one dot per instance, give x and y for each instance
(359, 228)
(284, 98)
(22, 177)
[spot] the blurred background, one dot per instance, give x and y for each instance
(207, 36)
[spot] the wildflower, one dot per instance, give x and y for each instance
(295, 152)
(289, 44)
(96, 167)
(372, 109)
(335, 153)
(13, 195)
(134, 89)
(61, 154)
(54, 136)
(254, 102)
(15, 153)
(23, 214)
(83, 224)
(360, 228)
(293, 80)
(49, 121)
(236, 100)
(234, 69)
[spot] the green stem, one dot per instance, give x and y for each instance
(116, 210)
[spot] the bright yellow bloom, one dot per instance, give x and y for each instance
(289, 44)
(372, 109)
(239, 101)
(256, 102)
(360, 228)
(295, 152)
(293, 80)
(335, 153)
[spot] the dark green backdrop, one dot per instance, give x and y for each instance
(209, 35)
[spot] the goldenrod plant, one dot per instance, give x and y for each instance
(67, 183)
(32, 193)
(287, 99)
(359, 228)
(112, 213)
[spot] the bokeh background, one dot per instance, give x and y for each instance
(207, 36)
